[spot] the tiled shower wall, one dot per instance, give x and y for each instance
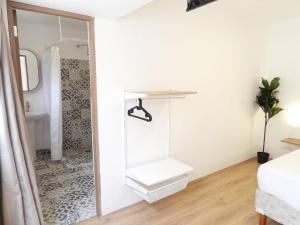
(75, 81)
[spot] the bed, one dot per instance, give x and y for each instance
(278, 193)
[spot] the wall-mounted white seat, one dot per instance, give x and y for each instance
(157, 180)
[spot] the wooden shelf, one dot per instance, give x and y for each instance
(157, 94)
(292, 141)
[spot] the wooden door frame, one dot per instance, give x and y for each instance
(12, 6)
(14, 43)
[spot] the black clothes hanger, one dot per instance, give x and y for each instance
(147, 117)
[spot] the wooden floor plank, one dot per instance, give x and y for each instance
(223, 198)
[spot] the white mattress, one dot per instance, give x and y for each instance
(281, 178)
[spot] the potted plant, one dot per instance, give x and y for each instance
(267, 100)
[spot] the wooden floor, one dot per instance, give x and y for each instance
(223, 198)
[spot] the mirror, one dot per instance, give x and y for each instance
(29, 70)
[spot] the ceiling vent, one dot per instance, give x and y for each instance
(193, 4)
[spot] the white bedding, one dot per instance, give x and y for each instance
(281, 178)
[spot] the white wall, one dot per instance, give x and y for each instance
(36, 36)
(210, 50)
(281, 58)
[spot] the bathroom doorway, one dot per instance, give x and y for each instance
(54, 57)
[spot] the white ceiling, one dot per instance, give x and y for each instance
(110, 9)
(114, 9)
(264, 9)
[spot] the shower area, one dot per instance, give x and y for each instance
(55, 73)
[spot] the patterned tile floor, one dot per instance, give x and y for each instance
(66, 187)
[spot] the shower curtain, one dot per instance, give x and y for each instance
(51, 75)
(19, 199)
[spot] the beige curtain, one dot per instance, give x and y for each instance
(20, 204)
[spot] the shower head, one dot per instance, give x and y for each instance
(84, 45)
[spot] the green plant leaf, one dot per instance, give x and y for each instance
(275, 83)
(262, 102)
(265, 83)
(274, 111)
(267, 97)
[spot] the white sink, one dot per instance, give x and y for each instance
(35, 115)
(32, 118)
